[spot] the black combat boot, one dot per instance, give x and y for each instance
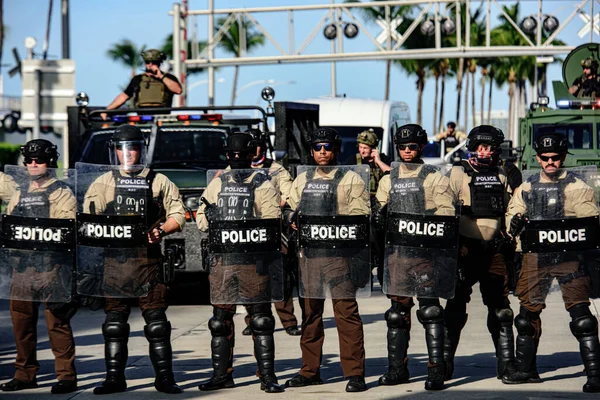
(116, 335)
(525, 370)
(584, 327)
(431, 315)
(397, 345)
(221, 352)
(158, 334)
(263, 326)
(501, 329)
(454, 322)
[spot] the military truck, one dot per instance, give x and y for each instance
(183, 143)
(577, 117)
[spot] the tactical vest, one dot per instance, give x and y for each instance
(407, 194)
(376, 174)
(36, 204)
(133, 196)
(547, 200)
(152, 92)
(319, 196)
(236, 199)
(450, 142)
(487, 193)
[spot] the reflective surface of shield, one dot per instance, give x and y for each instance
(114, 209)
(244, 243)
(561, 233)
(421, 234)
(333, 228)
(37, 252)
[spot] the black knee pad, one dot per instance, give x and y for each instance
(430, 314)
(262, 324)
(260, 309)
(524, 326)
(116, 316)
(158, 330)
(584, 326)
(154, 315)
(395, 319)
(504, 315)
(115, 331)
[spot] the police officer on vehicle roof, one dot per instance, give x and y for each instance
(367, 142)
(347, 196)
(153, 88)
(588, 83)
(451, 137)
(41, 196)
(154, 192)
(553, 194)
(282, 180)
(227, 270)
(481, 185)
(433, 196)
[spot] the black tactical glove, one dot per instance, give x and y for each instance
(517, 223)
(210, 210)
(379, 217)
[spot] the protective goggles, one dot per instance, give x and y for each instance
(411, 147)
(559, 157)
(137, 145)
(38, 160)
(326, 146)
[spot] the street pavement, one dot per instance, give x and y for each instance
(558, 359)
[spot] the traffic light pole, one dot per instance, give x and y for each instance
(37, 107)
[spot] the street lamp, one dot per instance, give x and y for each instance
(529, 24)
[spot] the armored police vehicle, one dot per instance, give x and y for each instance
(577, 114)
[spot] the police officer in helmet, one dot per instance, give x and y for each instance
(482, 187)
(153, 88)
(553, 194)
(434, 195)
(588, 83)
(159, 199)
(41, 195)
(226, 195)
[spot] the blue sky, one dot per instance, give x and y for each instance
(97, 24)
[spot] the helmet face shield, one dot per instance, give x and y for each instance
(130, 154)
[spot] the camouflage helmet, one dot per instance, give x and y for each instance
(368, 137)
(153, 55)
(590, 62)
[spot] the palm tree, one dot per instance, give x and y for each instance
(128, 54)
(372, 14)
(2, 29)
(445, 71)
(231, 43)
(167, 48)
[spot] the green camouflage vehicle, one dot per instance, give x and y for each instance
(577, 115)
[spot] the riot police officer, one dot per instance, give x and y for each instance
(282, 180)
(130, 188)
(481, 185)
(587, 84)
(553, 194)
(414, 188)
(241, 194)
(40, 195)
(153, 88)
(328, 189)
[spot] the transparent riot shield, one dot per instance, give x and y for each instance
(421, 233)
(561, 233)
(244, 237)
(334, 232)
(114, 258)
(37, 253)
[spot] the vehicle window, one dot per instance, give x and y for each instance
(349, 134)
(190, 145)
(579, 135)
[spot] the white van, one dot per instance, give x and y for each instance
(350, 116)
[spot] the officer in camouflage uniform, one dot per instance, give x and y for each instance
(567, 196)
(482, 187)
(127, 148)
(367, 142)
(153, 88)
(588, 84)
(434, 194)
(263, 204)
(60, 203)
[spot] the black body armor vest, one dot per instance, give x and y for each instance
(36, 204)
(133, 196)
(236, 199)
(487, 193)
(407, 194)
(319, 196)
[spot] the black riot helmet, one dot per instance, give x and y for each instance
(486, 134)
(241, 149)
(553, 142)
(326, 135)
(42, 150)
(410, 133)
(128, 139)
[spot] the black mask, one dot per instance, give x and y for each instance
(240, 163)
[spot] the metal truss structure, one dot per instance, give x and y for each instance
(386, 45)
